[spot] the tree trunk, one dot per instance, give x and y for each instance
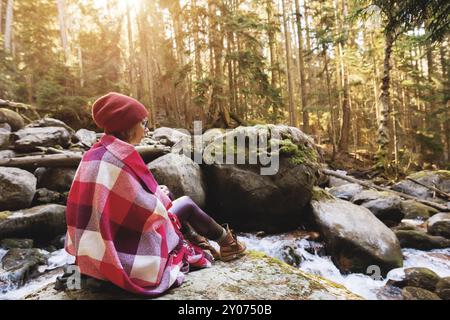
(346, 116)
(131, 53)
(287, 38)
(80, 65)
(219, 110)
(197, 46)
(271, 37)
(8, 25)
(61, 4)
(383, 129)
(330, 102)
(445, 67)
(376, 90)
(302, 87)
(1, 17)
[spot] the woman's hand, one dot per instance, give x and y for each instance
(165, 189)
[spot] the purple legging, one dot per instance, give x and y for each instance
(191, 215)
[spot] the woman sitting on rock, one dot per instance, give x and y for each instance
(122, 226)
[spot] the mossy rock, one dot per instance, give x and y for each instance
(255, 276)
(255, 196)
(416, 210)
(418, 277)
(4, 215)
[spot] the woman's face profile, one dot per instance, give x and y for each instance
(139, 130)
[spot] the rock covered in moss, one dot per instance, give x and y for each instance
(355, 238)
(416, 210)
(260, 196)
(418, 277)
(255, 276)
(420, 240)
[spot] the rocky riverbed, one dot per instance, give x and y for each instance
(334, 239)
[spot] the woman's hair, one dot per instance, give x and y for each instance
(126, 135)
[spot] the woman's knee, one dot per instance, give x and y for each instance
(184, 198)
(185, 202)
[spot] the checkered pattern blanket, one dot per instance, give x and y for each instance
(120, 228)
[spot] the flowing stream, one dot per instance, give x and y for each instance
(304, 254)
(284, 247)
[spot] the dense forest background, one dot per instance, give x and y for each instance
(367, 78)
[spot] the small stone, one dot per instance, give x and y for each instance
(439, 225)
(443, 288)
(16, 243)
(413, 293)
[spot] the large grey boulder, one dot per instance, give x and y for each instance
(181, 175)
(385, 206)
(28, 139)
(17, 188)
(355, 238)
(250, 198)
(43, 222)
(253, 277)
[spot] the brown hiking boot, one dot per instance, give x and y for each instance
(231, 248)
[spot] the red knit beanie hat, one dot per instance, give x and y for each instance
(116, 112)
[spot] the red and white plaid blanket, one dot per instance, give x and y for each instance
(119, 225)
